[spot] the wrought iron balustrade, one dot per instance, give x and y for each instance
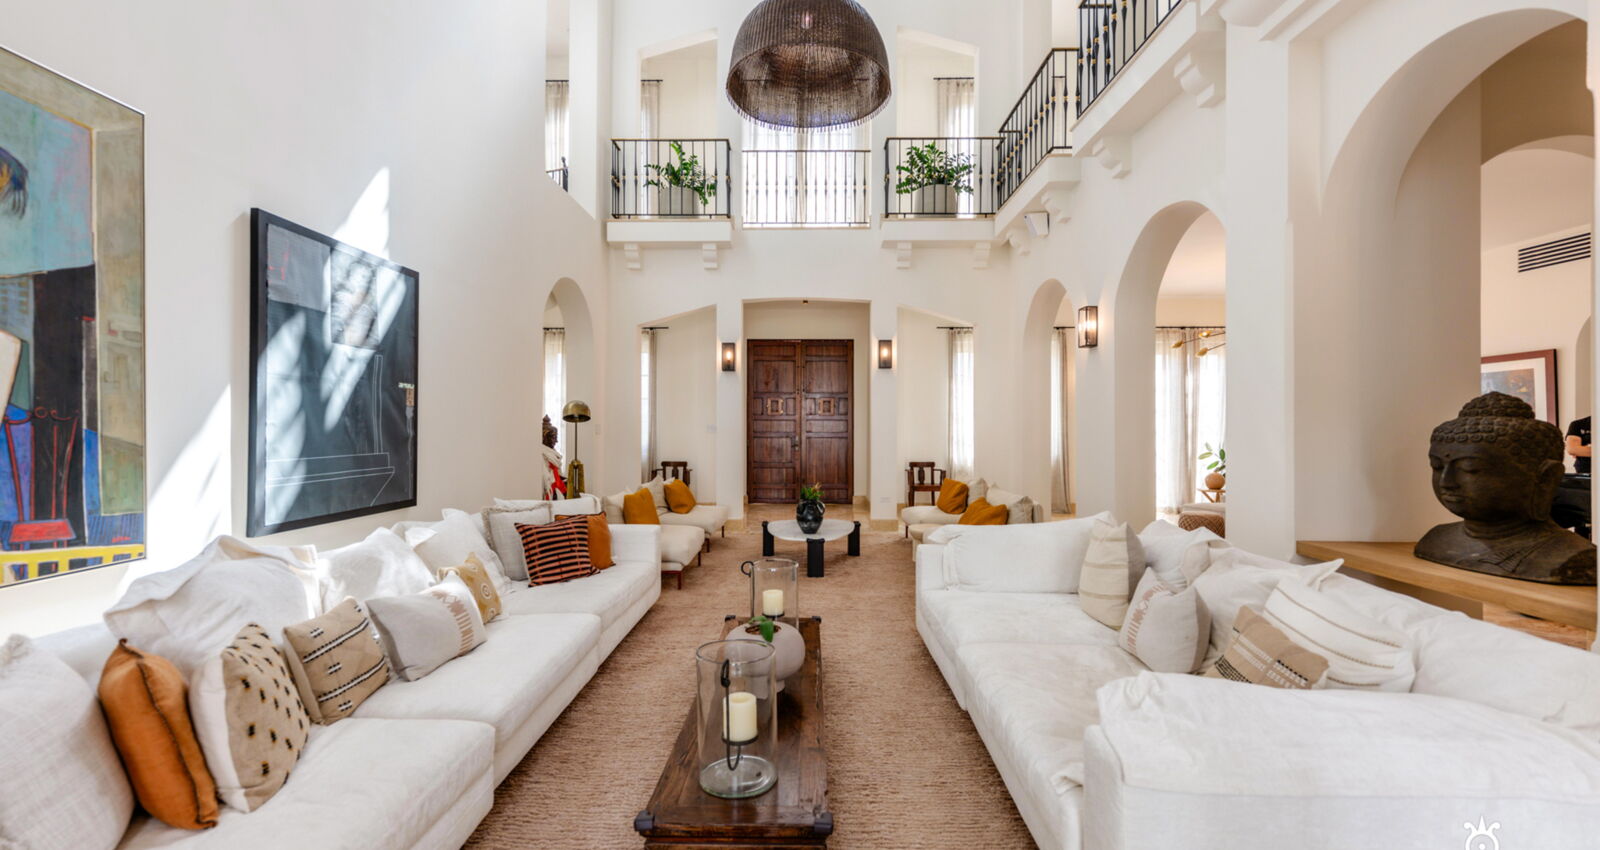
(908, 193)
(561, 176)
(671, 178)
(1039, 123)
(806, 188)
(1110, 32)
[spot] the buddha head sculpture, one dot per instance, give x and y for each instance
(1497, 467)
(550, 434)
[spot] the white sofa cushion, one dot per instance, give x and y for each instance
(1041, 557)
(966, 617)
(680, 544)
(1167, 630)
(64, 788)
(500, 683)
(1178, 556)
(1236, 579)
(359, 783)
(448, 542)
(710, 518)
(583, 505)
(1362, 652)
(188, 613)
(607, 594)
(1214, 737)
(927, 515)
(381, 565)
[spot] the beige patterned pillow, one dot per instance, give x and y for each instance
(424, 630)
(477, 579)
(1166, 628)
(249, 718)
(336, 660)
(1111, 570)
(1261, 654)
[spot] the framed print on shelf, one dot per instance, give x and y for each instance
(333, 379)
(1528, 375)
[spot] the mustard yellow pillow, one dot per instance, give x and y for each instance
(599, 540)
(475, 576)
(952, 496)
(980, 512)
(639, 508)
(680, 499)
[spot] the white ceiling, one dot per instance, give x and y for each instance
(1533, 192)
(1199, 265)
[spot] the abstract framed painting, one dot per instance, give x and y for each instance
(72, 335)
(1528, 375)
(333, 379)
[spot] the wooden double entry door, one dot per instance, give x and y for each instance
(802, 411)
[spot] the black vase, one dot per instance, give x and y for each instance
(809, 515)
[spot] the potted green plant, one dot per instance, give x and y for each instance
(934, 178)
(682, 185)
(1217, 477)
(810, 510)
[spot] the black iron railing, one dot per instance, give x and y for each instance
(914, 172)
(671, 178)
(1110, 32)
(561, 176)
(1038, 124)
(806, 188)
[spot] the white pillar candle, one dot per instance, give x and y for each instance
(739, 717)
(772, 602)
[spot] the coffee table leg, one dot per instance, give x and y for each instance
(766, 540)
(855, 541)
(814, 557)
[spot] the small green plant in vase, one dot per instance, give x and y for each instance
(1217, 476)
(810, 510)
(934, 177)
(686, 175)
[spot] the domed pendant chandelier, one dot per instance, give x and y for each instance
(808, 64)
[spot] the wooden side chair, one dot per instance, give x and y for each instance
(923, 477)
(678, 469)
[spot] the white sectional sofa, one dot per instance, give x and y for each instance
(417, 764)
(713, 519)
(1100, 753)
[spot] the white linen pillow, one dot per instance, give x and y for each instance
(996, 496)
(658, 493)
(448, 542)
(1112, 566)
(380, 565)
(1020, 512)
(507, 543)
(1043, 557)
(1178, 558)
(1167, 629)
(1362, 653)
(613, 508)
(978, 490)
(1237, 579)
(190, 612)
(424, 630)
(65, 788)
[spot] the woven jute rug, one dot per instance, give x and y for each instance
(905, 767)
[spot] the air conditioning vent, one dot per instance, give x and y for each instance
(1554, 253)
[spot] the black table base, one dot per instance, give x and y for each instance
(815, 556)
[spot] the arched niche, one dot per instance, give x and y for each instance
(1049, 308)
(582, 376)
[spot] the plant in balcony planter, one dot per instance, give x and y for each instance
(682, 183)
(810, 510)
(934, 177)
(1217, 478)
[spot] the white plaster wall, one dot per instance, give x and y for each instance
(691, 91)
(922, 361)
(916, 89)
(1537, 310)
(372, 99)
(686, 396)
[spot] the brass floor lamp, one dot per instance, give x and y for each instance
(575, 412)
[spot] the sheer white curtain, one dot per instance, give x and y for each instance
(557, 124)
(962, 438)
(648, 154)
(649, 108)
(1061, 377)
(1191, 406)
(958, 119)
(555, 385)
(786, 185)
(647, 405)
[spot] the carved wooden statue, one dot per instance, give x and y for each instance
(1497, 467)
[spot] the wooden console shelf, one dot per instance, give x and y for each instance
(1394, 567)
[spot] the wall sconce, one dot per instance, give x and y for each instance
(885, 354)
(1088, 327)
(730, 357)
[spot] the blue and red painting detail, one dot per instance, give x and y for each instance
(59, 475)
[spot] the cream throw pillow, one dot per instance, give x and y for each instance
(1111, 569)
(1168, 629)
(502, 525)
(1362, 653)
(381, 565)
(1260, 653)
(658, 493)
(249, 718)
(424, 630)
(336, 660)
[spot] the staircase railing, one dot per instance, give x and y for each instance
(1038, 124)
(1110, 32)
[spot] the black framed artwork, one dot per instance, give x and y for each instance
(333, 379)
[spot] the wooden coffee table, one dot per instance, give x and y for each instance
(793, 814)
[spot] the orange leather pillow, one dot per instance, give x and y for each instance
(639, 508)
(980, 512)
(680, 499)
(599, 540)
(952, 496)
(147, 708)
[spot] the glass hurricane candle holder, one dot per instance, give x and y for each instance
(737, 706)
(774, 589)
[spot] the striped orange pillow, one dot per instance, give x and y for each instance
(556, 551)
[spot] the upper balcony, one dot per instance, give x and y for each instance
(940, 177)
